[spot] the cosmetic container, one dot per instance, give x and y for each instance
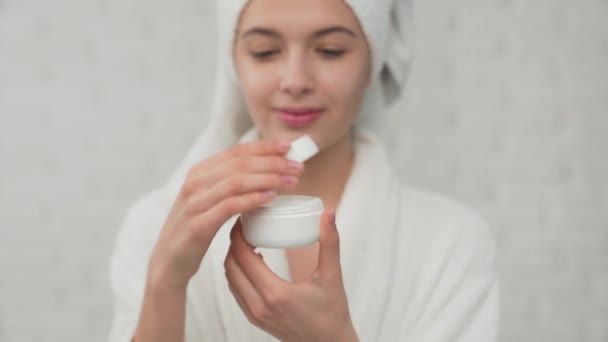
(286, 221)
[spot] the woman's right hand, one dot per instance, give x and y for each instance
(234, 181)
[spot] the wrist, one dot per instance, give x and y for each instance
(162, 315)
(161, 280)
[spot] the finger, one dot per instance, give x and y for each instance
(261, 277)
(329, 247)
(237, 279)
(255, 164)
(241, 287)
(259, 148)
(216, 173)
(217, 215)
(241, 302)
(235, 186)
(277, 164)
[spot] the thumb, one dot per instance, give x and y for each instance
(329, 246)
(235, 227)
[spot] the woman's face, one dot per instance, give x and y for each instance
(303, 67)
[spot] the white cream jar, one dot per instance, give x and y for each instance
(286, 221)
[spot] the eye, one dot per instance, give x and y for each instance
(263, 54)
(332, 53)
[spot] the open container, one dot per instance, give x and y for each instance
(286, 221)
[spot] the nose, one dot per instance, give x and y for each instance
(297, 78)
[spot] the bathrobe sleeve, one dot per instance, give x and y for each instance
(457, 295)
(128, 264)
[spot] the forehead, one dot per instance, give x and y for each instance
(297, 16)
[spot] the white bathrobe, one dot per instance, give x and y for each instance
(417, 266)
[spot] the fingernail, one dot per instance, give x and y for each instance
(332, 217)
(283, 145)
(294, 165)
(268, 194)
(292, 180)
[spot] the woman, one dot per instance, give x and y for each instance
(393, 263)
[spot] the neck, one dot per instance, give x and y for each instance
(325, 175)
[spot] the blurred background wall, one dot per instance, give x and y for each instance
(506, 110)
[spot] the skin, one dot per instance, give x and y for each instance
(234, 181)
(294, 66)
(282, 61)
(300, 72)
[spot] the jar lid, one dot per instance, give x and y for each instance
(302, 149)
(291, 205)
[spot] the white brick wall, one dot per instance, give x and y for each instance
(506, 110)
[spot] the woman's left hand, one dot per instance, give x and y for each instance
(314, 310)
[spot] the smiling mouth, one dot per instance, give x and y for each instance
(299, 118)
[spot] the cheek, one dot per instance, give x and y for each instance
(256, 84)
(343, 86)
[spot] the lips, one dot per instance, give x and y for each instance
(300, 111)
(298, 117)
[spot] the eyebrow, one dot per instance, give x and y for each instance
(274, 34)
